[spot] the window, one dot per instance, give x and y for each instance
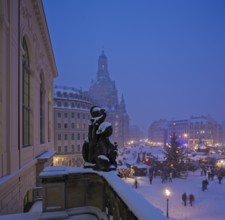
(78, 115)
(83, 136)
(78, 147)
(72, 115)
(72, 125)
(65, 115)
(59, 136)
(65, 125)
(59, 149)
(65, 104)
(26, 96)
(72, 136)
(78, 136)
(83, 116)
(72, 148)
(65, 137)
(59, 114)
(49, 115)
(59, 104)
(59, 125)
(42, 110)
(66, 149)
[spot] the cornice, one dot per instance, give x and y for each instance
(41, 20)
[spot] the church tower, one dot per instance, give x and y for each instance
(102, 73)
(103, 92)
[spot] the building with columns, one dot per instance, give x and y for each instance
(104, 92)
(27, 70)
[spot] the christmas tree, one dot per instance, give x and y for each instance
(175, 156)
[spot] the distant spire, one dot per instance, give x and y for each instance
(123, 105)
(102, 73)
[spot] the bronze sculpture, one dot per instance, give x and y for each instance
(98, 152)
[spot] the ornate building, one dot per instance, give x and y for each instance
(103, 91)
(72, 118)
(27, 70)
(191, 132)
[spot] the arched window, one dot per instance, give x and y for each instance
(26, 96)
(42, 110)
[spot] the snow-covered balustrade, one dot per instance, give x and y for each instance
(68, 188)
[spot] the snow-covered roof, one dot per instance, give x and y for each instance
(46, 155)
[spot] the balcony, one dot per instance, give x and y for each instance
(77, 193)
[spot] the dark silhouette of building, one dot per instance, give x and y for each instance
(104, 92)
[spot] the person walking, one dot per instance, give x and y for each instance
(170, 176)
(184, 199)
(205, 183)
(191, 199)
(135, 183)
(150, 177)
(220, 177)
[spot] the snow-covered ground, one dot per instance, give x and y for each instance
(208, 205)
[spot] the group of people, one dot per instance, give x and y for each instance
(166, 177)
(185, 198)
(211, 172)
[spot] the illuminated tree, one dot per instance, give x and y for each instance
(175, 156)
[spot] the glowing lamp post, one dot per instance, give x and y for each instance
(167, 193)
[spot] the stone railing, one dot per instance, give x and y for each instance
(67, 189)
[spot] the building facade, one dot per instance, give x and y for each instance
(158, 132)
(27, 70)
(104, 92)
(72, 119)
(193, 131)
(181, 130)
(204, 130)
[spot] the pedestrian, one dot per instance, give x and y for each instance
(204, 184)
(135, 183)
(220, 177)
(184, 199)
(170, 176)
(150, 177)
(191, 199)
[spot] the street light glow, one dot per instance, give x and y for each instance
(167, 192)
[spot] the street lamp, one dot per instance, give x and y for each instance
(167, 193)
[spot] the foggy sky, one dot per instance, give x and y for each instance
(166, 57)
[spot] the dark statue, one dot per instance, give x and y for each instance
(98, 152)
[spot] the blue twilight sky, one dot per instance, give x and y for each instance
(167, 57)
